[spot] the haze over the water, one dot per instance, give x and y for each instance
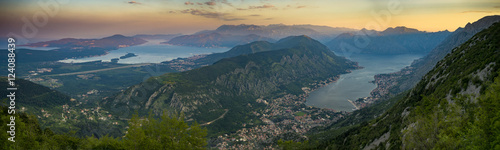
(97, 18)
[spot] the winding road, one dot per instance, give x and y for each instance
(220, 117)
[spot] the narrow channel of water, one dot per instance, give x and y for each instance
(357, 84)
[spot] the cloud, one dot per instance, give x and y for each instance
(255, 15)
(199, 3)
(296, 7)
(479, 11)
(211, 3)
(134, 3)
(211, 14)
(188, 3)
(214, 2)
(226, 2)
(496, 6)
(257, 7)
(260, 7)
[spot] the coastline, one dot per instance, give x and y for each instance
(357, 108)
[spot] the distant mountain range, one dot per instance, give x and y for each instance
(233, 35)
(278, 31)
(408, 77)
(112, 42)
(399, 30)
(74, 48)
(215, 39)
(233, 84)
(398, 40)
(164, 37)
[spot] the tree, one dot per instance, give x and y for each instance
(168, 132)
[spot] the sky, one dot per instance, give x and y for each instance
(53, 19)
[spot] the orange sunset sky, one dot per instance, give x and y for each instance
(98, 18)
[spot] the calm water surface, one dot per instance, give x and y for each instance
(357, 84)
(151, 52)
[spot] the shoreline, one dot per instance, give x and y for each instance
(357, 108)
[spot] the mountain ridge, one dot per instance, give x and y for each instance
(408, 77)
(391, 41)
(73, 48)
(215, 39)
(114, 41)
(267, 32)
(253, 47)
(399, 30)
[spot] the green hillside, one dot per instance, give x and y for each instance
(33, 95)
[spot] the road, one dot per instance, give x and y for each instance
(98, 70)
(220, 117)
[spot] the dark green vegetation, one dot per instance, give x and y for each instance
(59, 112)
(73, 107)
(235, 83)
(399, 40)
(33, 95)
(167, 132)
(106, 83)
(82, 113)
(128, 55)
(455, 106)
